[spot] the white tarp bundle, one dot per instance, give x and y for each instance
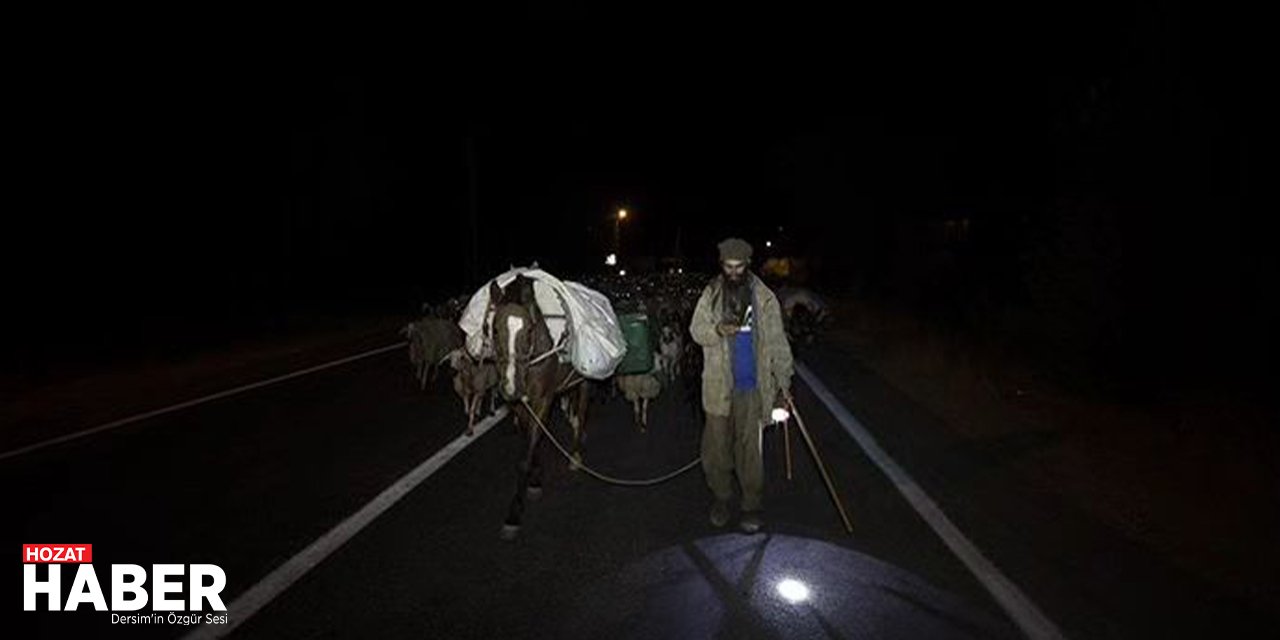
(594, 342)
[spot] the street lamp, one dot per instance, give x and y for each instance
(617, 231)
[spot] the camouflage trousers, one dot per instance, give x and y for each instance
(732, 445)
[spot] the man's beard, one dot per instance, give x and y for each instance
(737, 295)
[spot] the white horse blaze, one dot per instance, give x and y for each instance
(514, 325)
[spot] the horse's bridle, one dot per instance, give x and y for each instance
(554, 350)
(527, 357)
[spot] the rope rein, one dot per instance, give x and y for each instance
(489, 331)
(596, 474)
(548, 354)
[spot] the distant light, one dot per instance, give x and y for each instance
(622, 272)
(610, 260)
(780, 415)
(793, 591)
(622, 214)
(768, 243)
(679, 270)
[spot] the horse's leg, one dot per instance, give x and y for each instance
(578, 420)
(571, 412)
(583, 406)
(534, 486)
(473, 403)
(518, 419)
(515, 513)
(644, 413)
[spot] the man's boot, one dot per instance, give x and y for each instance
(719, 513)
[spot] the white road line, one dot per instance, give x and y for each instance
(261, 594)
(191, 403)
(1021, 609)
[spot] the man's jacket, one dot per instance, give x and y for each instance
(773, 355)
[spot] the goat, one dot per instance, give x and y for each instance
(472, 380)
(639, 390)
(430, 341)
(671, 348)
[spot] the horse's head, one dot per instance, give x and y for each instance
(517, 330)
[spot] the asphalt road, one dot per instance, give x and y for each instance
(248, 481)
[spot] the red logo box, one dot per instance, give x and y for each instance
(57, 553)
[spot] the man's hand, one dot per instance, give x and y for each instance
(726, 329)
(781, 401)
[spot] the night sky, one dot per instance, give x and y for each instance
(1103, 155)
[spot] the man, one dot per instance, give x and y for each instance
(747, 367)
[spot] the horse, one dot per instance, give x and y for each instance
(529, 372)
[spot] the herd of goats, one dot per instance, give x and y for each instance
(436, 341)
(667, 299)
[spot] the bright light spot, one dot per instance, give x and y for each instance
(679, 270)
(622, 272)
(622, 214)
(780, 415)
(768, 243)
(793, 590)
(611, 260)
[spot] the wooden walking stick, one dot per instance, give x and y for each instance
(831, 488)
(786, 440)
